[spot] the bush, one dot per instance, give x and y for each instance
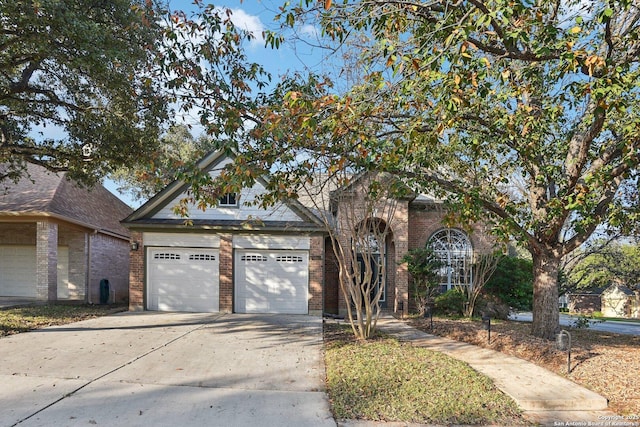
(512, 283)
(450, 303)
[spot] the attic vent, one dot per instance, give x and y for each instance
(168, 255)
(253, 258)
(289, 258)
(202, 257)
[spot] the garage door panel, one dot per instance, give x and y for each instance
(18, 271)
(271, 281)
(183, 279)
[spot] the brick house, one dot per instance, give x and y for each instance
(237, 257)
(59, 240)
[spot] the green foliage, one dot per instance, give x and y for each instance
(451, 303)
(512, 283)
(615, 262)
(384, 380)
(77, 87)
(422, 264)
(178, 151)
(522, 115)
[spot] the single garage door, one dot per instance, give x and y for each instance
(271, 281)
(18, 271)
(183, 279)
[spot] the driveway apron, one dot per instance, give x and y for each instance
(169, 369)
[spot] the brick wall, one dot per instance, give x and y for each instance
(331, 284)
(109, 259)
(15, 233)
(316, 275)
(226, 273)
(136, 274)
(47, 260)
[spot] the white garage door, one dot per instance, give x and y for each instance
(271, 281)
(183, 279)
(18, 271)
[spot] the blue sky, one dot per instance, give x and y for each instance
(258, 16)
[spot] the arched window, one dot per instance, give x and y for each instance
(453, 248)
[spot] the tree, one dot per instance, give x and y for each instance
(77, 92)
(423, 265)
(482, 270)
(474, 100)
(178, 150)
(512, 282)
(615, 263)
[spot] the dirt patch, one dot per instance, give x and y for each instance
(606, 363)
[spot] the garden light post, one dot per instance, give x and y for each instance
(428, 313)
(486, 324)
(564, 344)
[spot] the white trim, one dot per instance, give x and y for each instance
(193, 240)
(264, 241)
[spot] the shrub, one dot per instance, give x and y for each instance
(450, 303)
(512, 283)
(423, 264)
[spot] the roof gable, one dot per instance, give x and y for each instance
(159, 209)
(42, 192)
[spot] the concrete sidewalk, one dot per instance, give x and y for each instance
(545, 397)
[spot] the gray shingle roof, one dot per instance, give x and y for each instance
(45, 193)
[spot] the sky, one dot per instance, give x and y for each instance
(256, 16)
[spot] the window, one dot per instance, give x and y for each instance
(166, 256)
(202, 257)
(253, 258)
(454, 250)
(289, 258)
(229, 199)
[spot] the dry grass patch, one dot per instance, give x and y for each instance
(384, 380)
(24, 319)
(604, 362)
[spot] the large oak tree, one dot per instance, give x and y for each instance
(78, 91)
(520, 113)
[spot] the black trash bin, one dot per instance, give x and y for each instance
(104, 291)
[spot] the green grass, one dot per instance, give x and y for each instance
(23, 319)
(384, 380)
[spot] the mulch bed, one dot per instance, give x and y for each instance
(606, 363)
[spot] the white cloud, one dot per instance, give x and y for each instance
(249, 23)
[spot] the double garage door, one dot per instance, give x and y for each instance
(265, 281)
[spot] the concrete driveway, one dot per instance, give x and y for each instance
(167, 369)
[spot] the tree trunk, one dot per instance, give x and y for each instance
(546, 318)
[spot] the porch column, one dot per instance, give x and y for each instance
(47, 260)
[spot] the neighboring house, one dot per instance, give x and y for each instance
(620, 301)
(58, 240)
(239, 258)
(584, 301)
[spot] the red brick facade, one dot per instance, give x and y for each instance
(90, 257)
(226, 273)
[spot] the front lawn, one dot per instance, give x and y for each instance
(385, 380)
(23, 319)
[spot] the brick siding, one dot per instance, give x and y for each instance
(109, 260)
(226, 273)
(136, 274)
(316, 275)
